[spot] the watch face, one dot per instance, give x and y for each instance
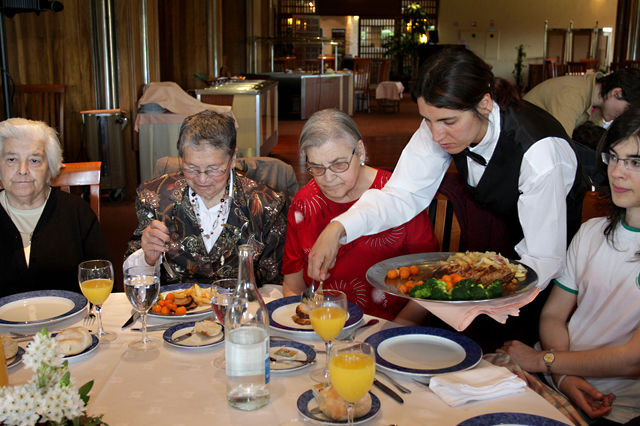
(549, 357)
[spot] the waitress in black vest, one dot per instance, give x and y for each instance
(515, 158)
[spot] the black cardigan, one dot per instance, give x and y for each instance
(67, 234)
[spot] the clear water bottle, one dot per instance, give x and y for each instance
(247, 340)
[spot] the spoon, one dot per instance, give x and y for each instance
(272, 359)
(396, 384)
(352, 336)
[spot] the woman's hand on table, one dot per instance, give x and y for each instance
(324, 252)
(586, 397)
(153, 241)
(529, 359)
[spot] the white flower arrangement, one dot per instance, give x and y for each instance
(51, 397)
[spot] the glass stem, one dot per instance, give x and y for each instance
(99, 315)
(328, 349)
(143, 315)
(350, 406)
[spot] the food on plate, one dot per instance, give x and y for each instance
(208, 328)
(180, 301)
(10, 347)
(301, 316)
(334, 407)
(463, 276)
(72, 341)
(285, 354)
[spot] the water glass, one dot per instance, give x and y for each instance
(142, 285)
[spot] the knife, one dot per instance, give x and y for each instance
(159, 327)
(131, 320)
(386, 389)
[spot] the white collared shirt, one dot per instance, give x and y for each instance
(547, 174)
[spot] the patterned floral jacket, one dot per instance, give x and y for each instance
(258, 217)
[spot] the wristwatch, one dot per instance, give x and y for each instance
(548, 358)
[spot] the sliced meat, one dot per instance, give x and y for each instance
(183, 301)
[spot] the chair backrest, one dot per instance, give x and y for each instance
(552, 68)
(575, 68)
(362, 73)
(592, 64)
(592, 206)
(82, 174)
(445, 223)
(44, 102)
(384, 70)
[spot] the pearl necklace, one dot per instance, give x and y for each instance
(220, 218)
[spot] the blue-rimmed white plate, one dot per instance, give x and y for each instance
(424, 351)
(198, 313)
(302, 352)
(35, 308)
(281, 311)
(307, 402)
(196, 340)
(514, 419)
(17, 359)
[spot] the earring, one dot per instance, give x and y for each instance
(362, 162)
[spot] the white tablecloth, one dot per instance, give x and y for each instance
(389, 90)
(171, 386)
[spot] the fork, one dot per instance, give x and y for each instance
(90, 318)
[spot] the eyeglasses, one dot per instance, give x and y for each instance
(632, 164)
(339, 167)
(210, 172)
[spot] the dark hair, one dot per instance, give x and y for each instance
(588, 134)
(208, 128)
(623, 128)
(456, 78)
(628, 79)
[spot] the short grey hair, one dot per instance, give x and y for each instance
(23, 129)
(329, 125)
(208, 128)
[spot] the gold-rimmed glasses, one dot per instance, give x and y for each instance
(338, 167)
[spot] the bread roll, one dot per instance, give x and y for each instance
(72, 341)
(208, 328)
(10, 347)
(302, 314)
(335, 408)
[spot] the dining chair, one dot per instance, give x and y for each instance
(445, 223)
(382, 74)
(593, 206)
(575, 68)
(44, 102)
(552, 68)
(82, 174)
(361, 80)
(592, 64)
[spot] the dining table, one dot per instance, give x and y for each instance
(181, 386)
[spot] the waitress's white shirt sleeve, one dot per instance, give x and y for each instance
(546, 177)
(410, 189)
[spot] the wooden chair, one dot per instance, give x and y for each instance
(44, 102)
(575, 68)
(592, 64)
(551, 68)
(445, 223)
(361, 80)
(592, 206)
(82, 174)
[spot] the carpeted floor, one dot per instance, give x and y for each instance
(385, 135)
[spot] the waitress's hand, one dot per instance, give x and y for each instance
(154, 239)
(323, 254)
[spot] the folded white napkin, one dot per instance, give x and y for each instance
(474, 385)
(460, 315)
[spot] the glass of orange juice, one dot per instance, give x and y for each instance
(352, 368)
(328, 313)
(96, 282)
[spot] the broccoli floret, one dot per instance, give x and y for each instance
(425, 290)
(477, 292)
(495, 289)
(461, 290)
(440, 293)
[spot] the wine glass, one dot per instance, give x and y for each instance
(219, 302)
(328, 313)
(142, 285)
(352, 368)
(96, 282)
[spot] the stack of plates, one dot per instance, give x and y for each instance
(151, 109)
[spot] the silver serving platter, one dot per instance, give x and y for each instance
(377, 275)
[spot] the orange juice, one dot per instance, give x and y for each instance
(97, 290)
(4, 374)
(352, 375)
(328, 321)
